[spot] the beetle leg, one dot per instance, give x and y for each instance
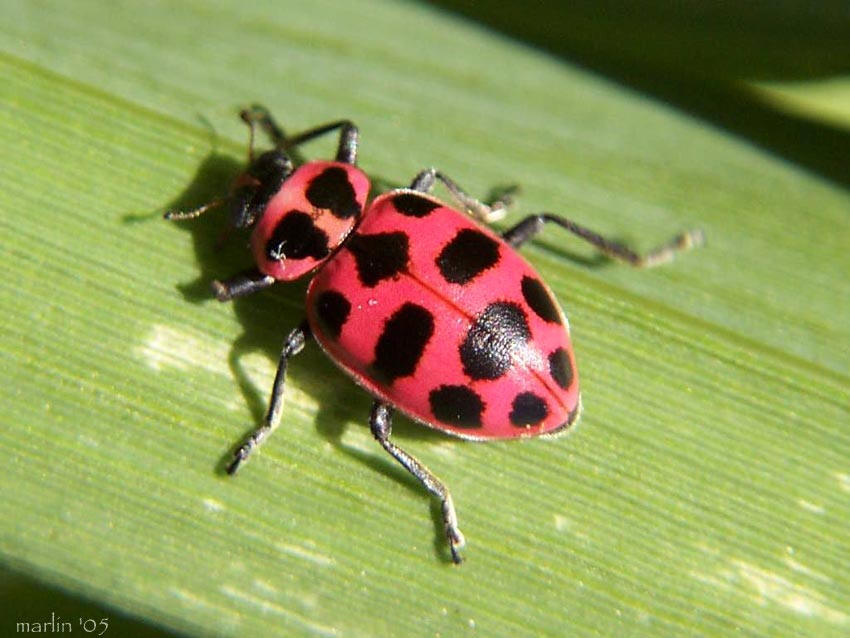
(293, 345)
(245, 283)
(478, 210)
(259, 115)
(348, 138)
(380, 422)
(530, 226)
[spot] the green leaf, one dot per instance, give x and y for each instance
(706, 490)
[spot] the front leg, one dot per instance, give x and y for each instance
(381, 423)
(349, 136)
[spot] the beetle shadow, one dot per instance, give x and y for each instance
(337, 397)
(266, 317)
(596, 260)
(592, 260)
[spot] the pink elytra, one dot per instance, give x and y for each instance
(453, 328)
(432, 313)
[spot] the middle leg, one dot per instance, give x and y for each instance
(478, 210)
(293, 345)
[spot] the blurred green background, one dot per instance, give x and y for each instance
(772, 73)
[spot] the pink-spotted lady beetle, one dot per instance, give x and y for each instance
(430, 312)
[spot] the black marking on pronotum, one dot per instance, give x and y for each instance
(413, 205)
(539, 299)
(456, 405)
(402, 342)
(470, 253)
(560, 367)
(528, 409)
(332, 309)
(331, 190)
(296, 237)
(492, 339)
(380, 256)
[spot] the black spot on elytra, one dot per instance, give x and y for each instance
(470, 253)
(456, 405)
(331, 189)
(296, 237)
(528, 409)
(560, 367)
(539, 299)
(333, 308)
(413, 205)
(494, 336)
(400, 346)
(380, 256)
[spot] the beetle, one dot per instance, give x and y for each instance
(430, 311)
